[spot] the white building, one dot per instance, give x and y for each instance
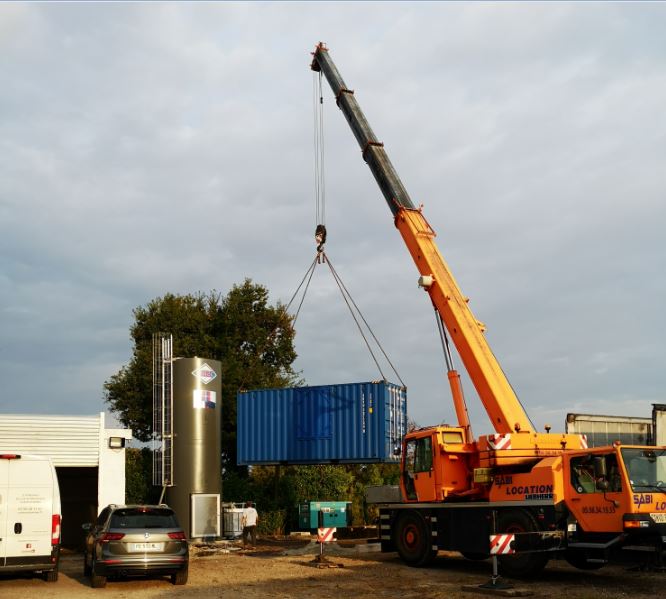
(89, 460)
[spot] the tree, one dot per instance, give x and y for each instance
(138, 475)
(252, 339)
(256, 349)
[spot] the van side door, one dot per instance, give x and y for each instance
(4, 492)
(30, 511)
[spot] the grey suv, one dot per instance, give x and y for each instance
(135, 539)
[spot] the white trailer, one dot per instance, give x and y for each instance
(659, 423)
(601, 430)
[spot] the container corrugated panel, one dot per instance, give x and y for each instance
(350, 423)
(659, 424)
(603, 430)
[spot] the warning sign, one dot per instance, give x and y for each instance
(325, 535)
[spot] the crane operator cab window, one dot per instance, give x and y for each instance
(596, 474)
(646, 468)
(418, 458)
(423, 458)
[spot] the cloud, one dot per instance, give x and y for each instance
(166, 147)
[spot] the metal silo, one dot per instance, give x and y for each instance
(197, 478)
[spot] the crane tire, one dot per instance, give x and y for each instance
(579, 560)
(475, 557)
(413, 539)
(524, 565)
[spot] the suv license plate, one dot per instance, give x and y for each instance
(659, 518)
(147, 547)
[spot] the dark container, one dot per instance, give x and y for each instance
(352, 423)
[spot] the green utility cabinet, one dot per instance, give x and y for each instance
(334, 513)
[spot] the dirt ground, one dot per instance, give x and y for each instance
(286, 570)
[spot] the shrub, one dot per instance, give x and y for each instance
(272, 523)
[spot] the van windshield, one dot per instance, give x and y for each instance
(646, 468)
(143, 518)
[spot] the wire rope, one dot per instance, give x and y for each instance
(269, 337)
(345, 294)
(318, 132)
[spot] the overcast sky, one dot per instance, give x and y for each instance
(167, 147)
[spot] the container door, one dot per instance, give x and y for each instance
(4, 491)
(30, 510)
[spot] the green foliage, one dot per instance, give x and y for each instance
(325, 483)
(365, 476)
(237, 487)
(280, 489)
(272, 522)
(252, 339)
(138, 477)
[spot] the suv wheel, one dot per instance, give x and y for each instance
(97, 581)
(86, 568)
(180, 577)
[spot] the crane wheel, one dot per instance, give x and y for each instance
(475, 557)
(524, 565)
(578, 560)
(413, 539)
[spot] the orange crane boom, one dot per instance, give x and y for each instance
(498, 397)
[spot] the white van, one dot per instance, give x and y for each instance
(30, 515)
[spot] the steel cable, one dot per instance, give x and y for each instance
(345, 293)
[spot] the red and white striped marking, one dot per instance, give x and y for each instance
(499, 441)
(501, 544)
(325, 535)
(583, 441)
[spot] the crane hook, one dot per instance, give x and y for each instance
(320, 238)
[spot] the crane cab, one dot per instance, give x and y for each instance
(436, 464)
(618, 488)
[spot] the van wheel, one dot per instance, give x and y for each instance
(97, 581)
(51, 575)
(180, 577)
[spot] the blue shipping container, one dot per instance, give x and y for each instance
(353, 423)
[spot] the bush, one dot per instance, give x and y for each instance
(272, 523)
(139, 476)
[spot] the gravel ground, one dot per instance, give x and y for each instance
(287, 570)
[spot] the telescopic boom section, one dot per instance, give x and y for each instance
(490, 382)
(373, 151)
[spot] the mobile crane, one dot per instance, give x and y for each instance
(522, 495)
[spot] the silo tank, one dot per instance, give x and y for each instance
(197, 481)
